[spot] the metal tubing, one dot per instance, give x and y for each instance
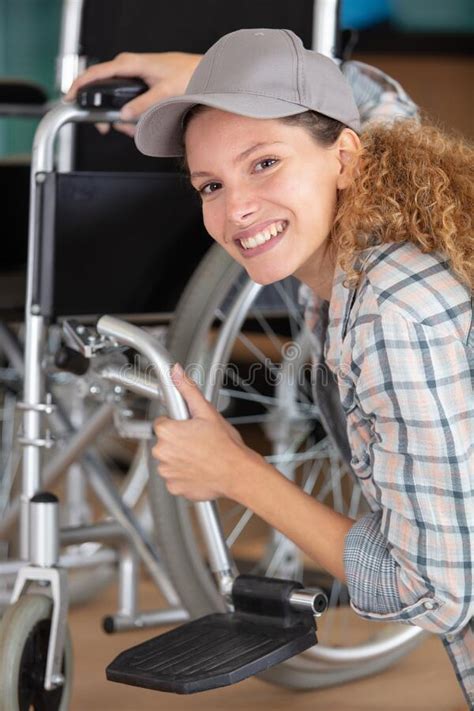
(42, 161)
(145, 343)
(127, 582)
(312, 599)
(44, 532)
(22, 110)
(325, 27)
(32, 391)
(68, 62)
(121, 623)
(104, 488)
(220, 560)
(63, 459)
(139, 384)
(108, 531)
(10, 568)
(47, 131)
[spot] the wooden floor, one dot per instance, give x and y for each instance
(422, 681)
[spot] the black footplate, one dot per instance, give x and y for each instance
(222, 649)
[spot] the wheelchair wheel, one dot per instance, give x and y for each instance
(24, 635)
(270, 333)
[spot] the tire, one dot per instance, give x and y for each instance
(207, 294)
(24, 630)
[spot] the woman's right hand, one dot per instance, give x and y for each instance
(166, 73)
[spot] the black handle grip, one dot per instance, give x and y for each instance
(110, 94)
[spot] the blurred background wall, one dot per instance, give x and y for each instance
(426, 44)
(29, 31)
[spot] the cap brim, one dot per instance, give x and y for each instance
(159, 130)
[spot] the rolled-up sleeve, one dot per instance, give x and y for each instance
(408, 395)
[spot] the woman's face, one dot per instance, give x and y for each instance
(268, 191)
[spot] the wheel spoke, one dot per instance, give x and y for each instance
(239, 527)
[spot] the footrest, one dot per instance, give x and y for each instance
(216, 650)
(222, 649)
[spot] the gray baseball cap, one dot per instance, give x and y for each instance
(260, 73)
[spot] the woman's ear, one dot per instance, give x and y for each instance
(348, 148)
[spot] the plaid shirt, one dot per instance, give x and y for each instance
(400, 349)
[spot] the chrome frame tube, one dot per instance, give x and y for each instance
(325, 27)
(69, 62)
(127, 334)
(127, 583)
(44, 534)
(10, 568)
(142, 620)
(102, 485)
(42, 162)
(69, 65)
(137, 383)
(63, 459)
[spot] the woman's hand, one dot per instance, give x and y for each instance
(166, 73)
(199, 458)
(204, 457)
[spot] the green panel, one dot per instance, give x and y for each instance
(29, 38)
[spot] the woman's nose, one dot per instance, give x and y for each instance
(241, 205)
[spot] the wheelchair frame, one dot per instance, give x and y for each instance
(39, 528)
(38, 519)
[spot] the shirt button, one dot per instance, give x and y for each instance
(429, 605)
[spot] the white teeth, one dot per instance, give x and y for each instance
(263, 236)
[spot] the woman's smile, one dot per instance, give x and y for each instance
(261, 238)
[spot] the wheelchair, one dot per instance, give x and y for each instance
(90, 389)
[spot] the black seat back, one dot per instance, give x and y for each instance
(113, 26)
(123, 243)
(129, 243)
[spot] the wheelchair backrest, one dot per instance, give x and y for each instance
(113, 26)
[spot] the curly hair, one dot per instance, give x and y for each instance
(412, 183)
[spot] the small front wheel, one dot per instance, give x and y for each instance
(24, 637)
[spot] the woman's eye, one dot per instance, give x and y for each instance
(265, 163)
(209, 188)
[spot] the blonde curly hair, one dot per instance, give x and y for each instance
(412, 182)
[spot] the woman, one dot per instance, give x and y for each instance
(377, 225)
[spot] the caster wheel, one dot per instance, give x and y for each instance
(24, 635)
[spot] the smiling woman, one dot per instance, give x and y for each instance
(288, 181)
(377, 224)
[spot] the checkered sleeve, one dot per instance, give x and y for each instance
(411, 560)
(377, 95)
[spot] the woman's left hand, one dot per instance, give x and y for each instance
(199, 458)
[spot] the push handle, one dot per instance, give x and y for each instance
(110, 94)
